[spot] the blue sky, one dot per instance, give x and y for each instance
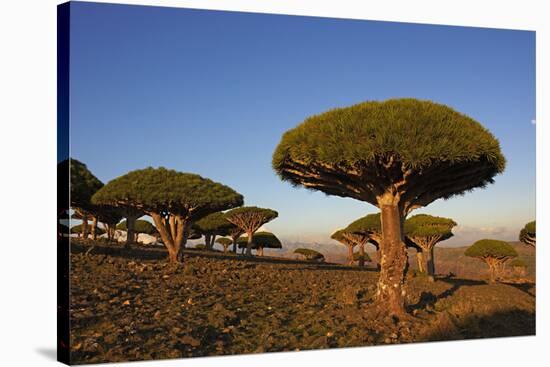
(212, 92)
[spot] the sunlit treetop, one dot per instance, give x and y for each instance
(424, 225)
(528, 234)
(369, 224)
(310, 254)
(214, 223)
(418, 151)
(261, 239)
(164, 190)
(491, 248)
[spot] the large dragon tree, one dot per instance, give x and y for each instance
(425, 231)
(250, 219)
(528, 234)
(173, 199)
(398, 155)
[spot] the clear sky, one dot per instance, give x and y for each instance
(212, 92)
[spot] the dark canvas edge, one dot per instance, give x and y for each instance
(63, 114)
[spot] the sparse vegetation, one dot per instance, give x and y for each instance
(310, 255)
(494, 253)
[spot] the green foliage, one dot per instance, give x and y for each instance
(140, 226)
(491, 248)
(357, 256)
(528, 234)
(361, 151)
(215, 223)
(420, 131)
(164, 190)
(365, 225)
(78, 229)
(224, 241)
(108, 214)
(517, 263)
(310, 254)
(82, 182)
(260, 239)
(424, 225)
(338, 235)
(531, 227)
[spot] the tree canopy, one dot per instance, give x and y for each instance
(432, 150)
(225, 242)
(340, 236)
(369, 226)
(528, 234)
(83, 183)
(491, 248)
(140, 226)
(427, 226)
(310, 254)
(518, 263)
(165, 190)
(262, 240)
(214, 223)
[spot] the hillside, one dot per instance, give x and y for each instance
(447, 259)
(130, 304)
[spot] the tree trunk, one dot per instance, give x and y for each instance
(350, 255)
(207, 241)
(130, 222)
(84, 226)
(93, 230)
(391, 290)
(430, 265)
(212, 241)
(361, 255)
(234, 244)
(378, 259)
(260, 251)
(420, 261)
(249, 244)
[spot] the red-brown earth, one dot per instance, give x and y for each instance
(133, 305)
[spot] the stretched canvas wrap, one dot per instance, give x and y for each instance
(236, 183)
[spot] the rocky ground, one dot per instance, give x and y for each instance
(132, 305)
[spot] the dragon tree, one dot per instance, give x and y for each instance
(173, 199)
(398, 155)
(350, 240)
(370, 227)
(250, 219)
(310, 255)
(528, 234)
(225, 242)
(140, 226)
(213, 225)
(263, 240)
(494, 253)
(83, 184)
(425, 231)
